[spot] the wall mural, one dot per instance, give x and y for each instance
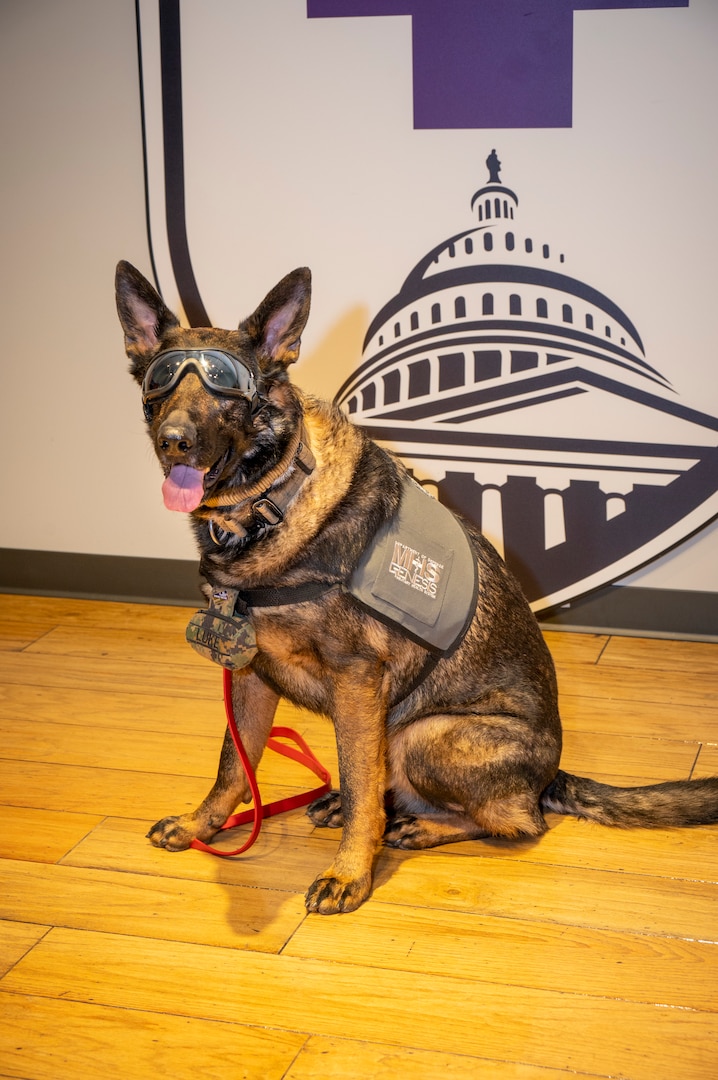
(518, 392)
(492, 372)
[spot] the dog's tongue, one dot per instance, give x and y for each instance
(183, 489)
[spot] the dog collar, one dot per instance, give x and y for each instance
(268, 509)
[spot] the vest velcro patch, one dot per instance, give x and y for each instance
(420, 573)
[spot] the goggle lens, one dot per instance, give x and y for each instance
(220, 372)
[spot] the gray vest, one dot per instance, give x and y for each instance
(420, 573)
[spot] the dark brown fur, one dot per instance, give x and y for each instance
(474, 749)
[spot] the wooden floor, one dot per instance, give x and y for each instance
(591, 952)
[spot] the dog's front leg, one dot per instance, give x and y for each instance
(360, 722)
(254, 707)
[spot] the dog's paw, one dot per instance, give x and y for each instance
(405, 831)
(172, 833)
(326, 811)
(330, 895)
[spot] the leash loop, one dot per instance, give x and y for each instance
(299, 753)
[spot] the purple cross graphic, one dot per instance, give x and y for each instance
(488, 63)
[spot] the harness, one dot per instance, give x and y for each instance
(418, 575)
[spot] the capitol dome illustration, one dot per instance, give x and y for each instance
(525, 399)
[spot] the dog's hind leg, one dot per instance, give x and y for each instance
(464, 777)
(254, 707)
(326, 811)
(430, 829)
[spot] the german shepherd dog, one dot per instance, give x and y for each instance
(469, 749)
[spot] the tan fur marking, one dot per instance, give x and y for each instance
(510, 818)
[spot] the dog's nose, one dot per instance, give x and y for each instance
(176, 435)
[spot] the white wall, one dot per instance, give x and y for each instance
(78, 474)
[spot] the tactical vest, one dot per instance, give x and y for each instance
(420, 573)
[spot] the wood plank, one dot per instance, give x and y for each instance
(144, 751)
(654, 654)
(707, 763)
(662, 852)
(434, 1013)
(183, 755)
(621, 756)
(286, 856)
(110, 792)
(28, 680)
(104, 712)
(116, 709)
(626, 684)
(137, 712)
(342, 1059)
(587, 753)
(556, 894)
(643, 718)
(195, 676)
(46, 1039)
(16, 939)
(15, 636)
(208, 913)
(515, 951)
(627, 760)
(148, 677)
(141, 710)
(690, 854)
(42, 835)
(142, 646)
(69, 611)
(115, 792)
(579, 648)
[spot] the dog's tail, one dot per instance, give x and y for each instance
(676, 803)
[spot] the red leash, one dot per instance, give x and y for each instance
(259, 811)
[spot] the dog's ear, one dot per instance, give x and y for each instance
(276, 326)
(143, 314)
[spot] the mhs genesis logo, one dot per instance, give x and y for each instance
(416, 570)
(524, 398)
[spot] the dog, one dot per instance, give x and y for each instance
(286, 497)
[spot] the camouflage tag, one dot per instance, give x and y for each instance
(221, 635)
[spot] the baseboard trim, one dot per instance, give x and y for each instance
(615, 609)
(100, 577)
(632, 611)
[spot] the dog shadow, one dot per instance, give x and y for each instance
(398, 872)
(276, 873)
(265, 886)
(345, 338)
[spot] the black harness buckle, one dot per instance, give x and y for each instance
(267, 512)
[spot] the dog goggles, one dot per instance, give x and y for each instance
(220, 372)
